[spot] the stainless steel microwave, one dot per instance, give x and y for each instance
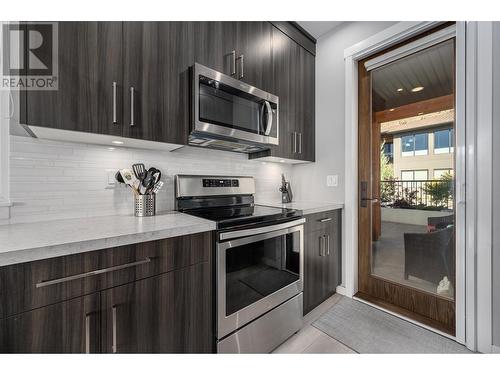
(231, 115)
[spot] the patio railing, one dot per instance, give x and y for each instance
(417, 193)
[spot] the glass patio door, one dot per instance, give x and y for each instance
(406, 254)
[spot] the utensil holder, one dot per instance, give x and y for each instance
(145, 205)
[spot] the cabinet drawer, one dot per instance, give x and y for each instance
(323, 221)
(35, 284)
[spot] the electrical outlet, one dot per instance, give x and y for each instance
(332, 180)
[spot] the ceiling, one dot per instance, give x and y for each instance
(318, 28)
(431, 68)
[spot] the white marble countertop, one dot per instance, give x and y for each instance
(34, 241)
(307, 207)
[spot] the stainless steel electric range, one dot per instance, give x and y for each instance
(258, 258)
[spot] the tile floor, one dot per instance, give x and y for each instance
(311, 340)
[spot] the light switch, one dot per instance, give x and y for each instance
(110, 179)
(332, 180)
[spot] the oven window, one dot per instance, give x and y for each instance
(258, 269)
(223, 105)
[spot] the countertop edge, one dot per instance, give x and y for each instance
(53, 251)
(307, 208)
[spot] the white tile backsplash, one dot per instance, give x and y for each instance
(57, 180)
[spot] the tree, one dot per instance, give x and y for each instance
(441, 191)
(387, 189)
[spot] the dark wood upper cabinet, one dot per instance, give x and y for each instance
(88, 53)
(254, 54)
(132, 79)
(294, 84)
(71, 326)
(304, 106)
(213, 43)
(156, 60)
(322, 257)
(170, 313)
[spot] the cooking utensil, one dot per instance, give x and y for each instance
(119, 178)
(139, 171)
(130, 179)
(152, 177)
(157, 187)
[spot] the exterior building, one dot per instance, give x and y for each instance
(420, 147)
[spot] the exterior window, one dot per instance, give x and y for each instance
(438, 173)
(419, 175)
(388, 151)
(443, 141)
(414, 145)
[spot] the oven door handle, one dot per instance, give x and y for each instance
(254, 231)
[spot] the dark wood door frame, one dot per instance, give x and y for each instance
(415, 304)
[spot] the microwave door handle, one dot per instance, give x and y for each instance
(269, 118)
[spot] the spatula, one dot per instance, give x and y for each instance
(139, 171)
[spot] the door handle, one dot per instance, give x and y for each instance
(364, 194)
(269, 112)
(294, 140)
(300, 143)
(113, 314)
(233, 62)
(132, 122)
(115, 120)
(87, 333)
(240, 58)
(100, 271)
(327, 244)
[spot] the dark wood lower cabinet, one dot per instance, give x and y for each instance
(322, 242)
(152, 297)
(170, 313)
(68, 327)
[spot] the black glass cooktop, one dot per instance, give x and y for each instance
(244, 215)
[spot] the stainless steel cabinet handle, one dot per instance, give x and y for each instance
(41, 284)
(327, 244)
(115, 120)
(240, 76)
(132, 123)
(87, 333)
(300, 143)
(326, 219)
(294, 142)
(113, 313)
(233, 62)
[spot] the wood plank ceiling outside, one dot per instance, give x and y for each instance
(431, 68)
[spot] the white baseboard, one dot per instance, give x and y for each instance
(341, 290)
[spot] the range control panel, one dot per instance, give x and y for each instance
(220, 182)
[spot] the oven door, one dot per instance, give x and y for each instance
(258, 269)
(228, 108)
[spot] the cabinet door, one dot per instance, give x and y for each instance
(253, 42)
(157, 56)
(170, 313)
(304, 105)
(89, 58)
(72, 326)
(213, 44)
(285, 75)
(321, 258)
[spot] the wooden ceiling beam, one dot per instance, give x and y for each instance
(440, 103)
